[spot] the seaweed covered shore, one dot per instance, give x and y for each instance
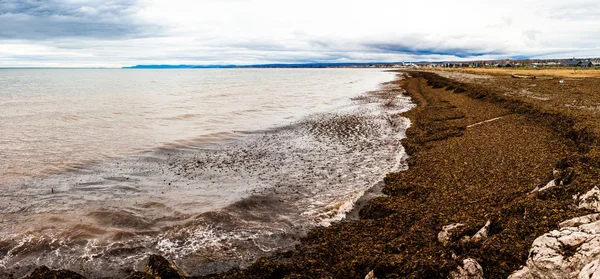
(491, 169)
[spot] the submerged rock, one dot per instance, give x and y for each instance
(571, 252)
(160, 267)
(43, 272)
(469, 270)
(447, 231)
(140, 275)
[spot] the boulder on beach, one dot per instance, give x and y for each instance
(570, 252)
(590, 200)
(447, 232)
(470, 269)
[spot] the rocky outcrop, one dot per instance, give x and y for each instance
(576, 222)
(469, 270)
(590, 200)
(570, 252)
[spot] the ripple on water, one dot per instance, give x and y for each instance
(210, 207)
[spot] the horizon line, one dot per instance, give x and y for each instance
(200, 66)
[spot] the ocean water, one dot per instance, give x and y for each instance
(210, 168)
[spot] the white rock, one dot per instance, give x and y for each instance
(575, 222)
(469, 270)
(482, 234)
(571, 252)
(371, 275)
(522, 273)
(446, 234)
(590, 271)
(590, 200)
(548, 186)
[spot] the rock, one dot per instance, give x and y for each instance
(591, 200)
(590, 271)
(575, 222)
(160, 267)
(571, 252)
(446, 234)
(523, 273)
(482, 234)
(43, 272)
(140, 275)
(469, 270)
(371, 275)
(550, 185)
(553, 183)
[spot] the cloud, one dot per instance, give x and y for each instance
(129, 32)
(49, 19)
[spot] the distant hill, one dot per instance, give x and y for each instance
(305, 65)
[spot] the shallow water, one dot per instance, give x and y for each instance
(53, 119)
(207, 198)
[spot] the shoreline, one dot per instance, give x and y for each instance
(410, 248)
(312, 151)
(472, 178)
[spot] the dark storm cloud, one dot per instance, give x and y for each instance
(414, 49)
(47, 19)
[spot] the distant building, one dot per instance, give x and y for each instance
(578, 63)
(505, 65)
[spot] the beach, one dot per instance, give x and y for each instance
(285, 151)
(479, 153)
(495, 164)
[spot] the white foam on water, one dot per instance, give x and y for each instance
(212, 203)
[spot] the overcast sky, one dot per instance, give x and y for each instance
(116, 33)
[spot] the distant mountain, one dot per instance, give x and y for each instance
(179, 66)
(305, 65)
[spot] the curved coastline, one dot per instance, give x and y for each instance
(363, 122)
(482, 179)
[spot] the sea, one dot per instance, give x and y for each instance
(211, 168)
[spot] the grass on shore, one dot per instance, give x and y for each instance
(554, 72)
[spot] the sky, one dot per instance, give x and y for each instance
(115, 33)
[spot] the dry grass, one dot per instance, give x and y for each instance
(558, 72)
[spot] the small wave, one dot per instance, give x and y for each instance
(244, 196)
(183, 116)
